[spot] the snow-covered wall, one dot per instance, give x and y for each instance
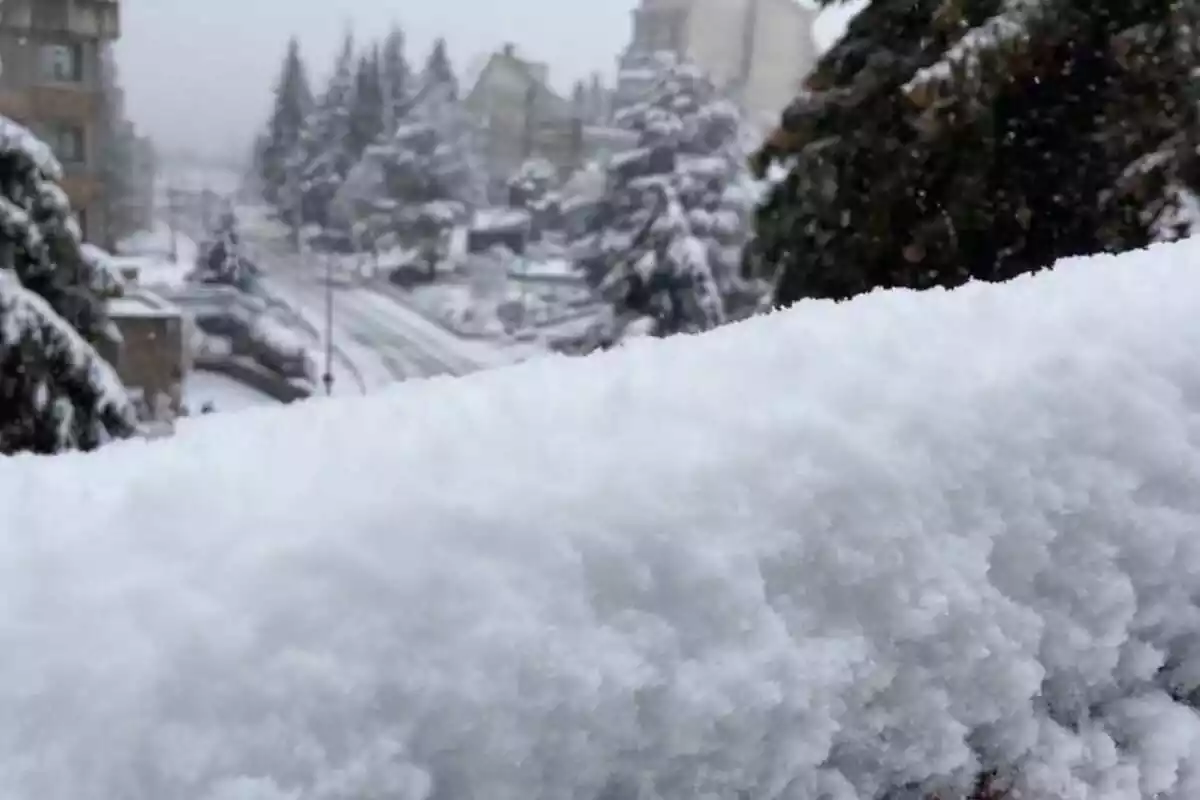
(832, 550)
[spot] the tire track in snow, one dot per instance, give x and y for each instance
(408, 324)
(400, 354)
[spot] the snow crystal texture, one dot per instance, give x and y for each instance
(826, 554)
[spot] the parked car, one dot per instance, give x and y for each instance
(332, 241)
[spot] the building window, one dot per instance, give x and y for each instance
(61, 63)
(67, 142)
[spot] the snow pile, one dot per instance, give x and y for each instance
(276, 335)
(281, 349)
(218, 392)
(811, 555)
(507, 309)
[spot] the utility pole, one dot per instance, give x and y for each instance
(173, 220)
(327, 378)
(293, 205)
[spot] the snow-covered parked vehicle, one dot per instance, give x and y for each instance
(222, 259)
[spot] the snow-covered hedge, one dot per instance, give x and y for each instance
(281, 349)
(821, 554)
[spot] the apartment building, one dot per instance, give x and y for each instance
(50, 81)
(758, 50)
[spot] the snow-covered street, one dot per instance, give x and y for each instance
(385, 340)
(376, 329)
(409, 345)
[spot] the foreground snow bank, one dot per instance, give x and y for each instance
(810, 556)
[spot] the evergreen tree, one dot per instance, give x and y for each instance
(438, 70)
(1164, 180)
(56, 393)
(324, 153)
(946, 140)
(533, 186)
(293, 104)
(395, 78)
(668, 252)
(423, 178)
(367, 106)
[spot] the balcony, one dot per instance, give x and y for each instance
(85, 19)
(62, 103)
(82, 186)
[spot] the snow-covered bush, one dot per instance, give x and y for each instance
(533, 186)
(56, 392)
(280, 349)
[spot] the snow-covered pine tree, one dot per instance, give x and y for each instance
(324, 155)
(367, 106)
(942, 141)
(675, 216)
(1163, 183)
(533, 185)
(423, 178)
(395, 79)
(440, 72)
(56, 392)
(293, 103)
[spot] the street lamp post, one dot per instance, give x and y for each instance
(173, 220)
(327, 378)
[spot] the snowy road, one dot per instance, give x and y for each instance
(385, 339)
(410, 346)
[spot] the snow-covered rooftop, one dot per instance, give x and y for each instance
(141, 303)
(811, 555)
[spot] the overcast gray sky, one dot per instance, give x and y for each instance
(198, 74)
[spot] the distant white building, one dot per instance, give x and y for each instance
(759, 50)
